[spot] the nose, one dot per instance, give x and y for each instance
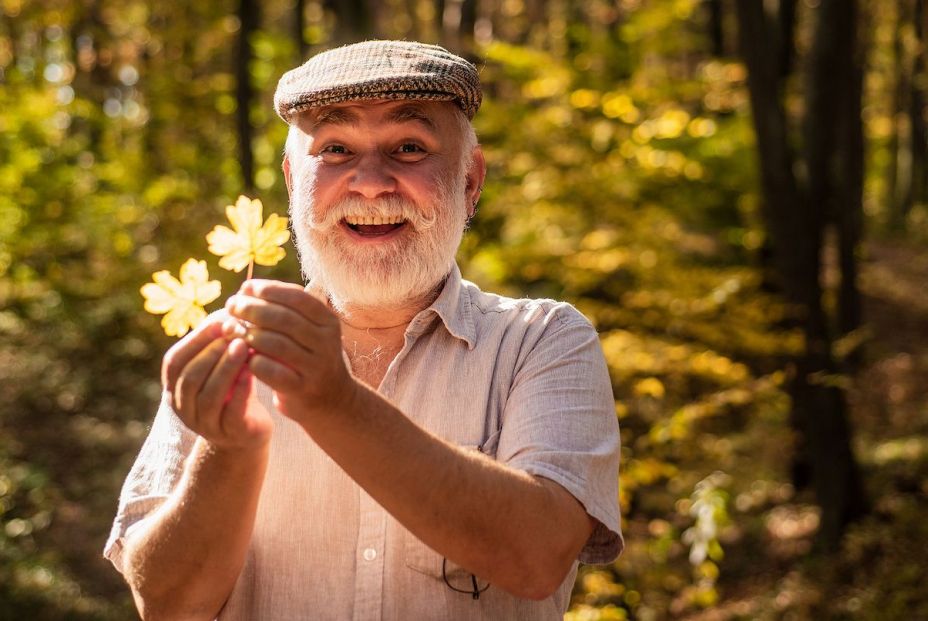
(371, 176)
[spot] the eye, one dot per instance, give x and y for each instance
(410, 152)
(334, 153)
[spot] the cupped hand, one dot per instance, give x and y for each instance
(296, 347)
(209, 382)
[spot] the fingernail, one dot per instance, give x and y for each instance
(233, 328)
(238, 350)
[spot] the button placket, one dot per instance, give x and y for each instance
(368, 601)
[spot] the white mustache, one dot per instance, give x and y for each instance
(387, 207)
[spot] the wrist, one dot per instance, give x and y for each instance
(233, 456)
(335, 411)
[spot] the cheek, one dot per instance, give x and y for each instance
(325, 186)
(310, 193)
(427, 185)
(306, 176)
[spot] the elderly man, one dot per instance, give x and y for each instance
(388, 442)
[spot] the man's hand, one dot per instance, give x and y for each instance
(297, 347)
(209, 382)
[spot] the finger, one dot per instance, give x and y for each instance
(212, 395)
(282, 349)
(234, 420)
(244, 375)
(191, 381)
(234, 328)
(292, 296)
(184, 350)
(273, 316)
(275, 374)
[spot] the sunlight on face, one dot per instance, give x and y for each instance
(390, 273)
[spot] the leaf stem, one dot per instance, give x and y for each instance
(251, 268)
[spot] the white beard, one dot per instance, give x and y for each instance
(389, 274)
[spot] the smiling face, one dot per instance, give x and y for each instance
(380, 193)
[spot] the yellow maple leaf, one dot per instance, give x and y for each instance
(181, 301)
(251, 241)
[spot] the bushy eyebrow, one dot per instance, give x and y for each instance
(335, 116)
(411, 112)
(345, 116)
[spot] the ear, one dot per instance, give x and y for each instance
(476, 173)
(288, 179)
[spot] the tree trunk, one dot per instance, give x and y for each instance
(468, 24)
(898, 96)
(716, 27)
(249, 18)
(795, 225)
(834, 143)
(903, 160)
(849, 171)
(353, 21)
(787, 29)
(299, 27)
(781, 207)
(91, 84)
(917, 110)
(837, 476)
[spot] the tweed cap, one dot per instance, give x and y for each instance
(379, 70)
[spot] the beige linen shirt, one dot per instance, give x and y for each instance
(523, 381)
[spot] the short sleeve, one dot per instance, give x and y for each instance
(153, 477)
(559, 423)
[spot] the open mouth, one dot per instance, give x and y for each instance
(374, 226)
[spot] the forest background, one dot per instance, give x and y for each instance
(734, 191)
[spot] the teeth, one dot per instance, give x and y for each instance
(373, 220)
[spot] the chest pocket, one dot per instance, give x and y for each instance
(423, 559)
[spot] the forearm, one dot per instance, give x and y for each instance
(498, 522)
(184, 563)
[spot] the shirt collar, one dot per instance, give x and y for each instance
(454, 308)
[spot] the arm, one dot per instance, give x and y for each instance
(486, 516)
(183, 560)
(519, 531)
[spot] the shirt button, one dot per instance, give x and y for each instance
(370, 554)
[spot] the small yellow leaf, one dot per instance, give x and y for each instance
(251, 240)
(181, 301)
(649, 387)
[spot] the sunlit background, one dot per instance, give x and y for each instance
(624, 175)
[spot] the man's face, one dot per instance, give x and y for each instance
(380, 193)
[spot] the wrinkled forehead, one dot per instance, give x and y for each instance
(435, 116)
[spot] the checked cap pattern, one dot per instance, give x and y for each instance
(379, 70)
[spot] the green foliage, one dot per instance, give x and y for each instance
(621, 177)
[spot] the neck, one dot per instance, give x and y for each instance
(356, 317)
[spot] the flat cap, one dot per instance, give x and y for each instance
(379, 70)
